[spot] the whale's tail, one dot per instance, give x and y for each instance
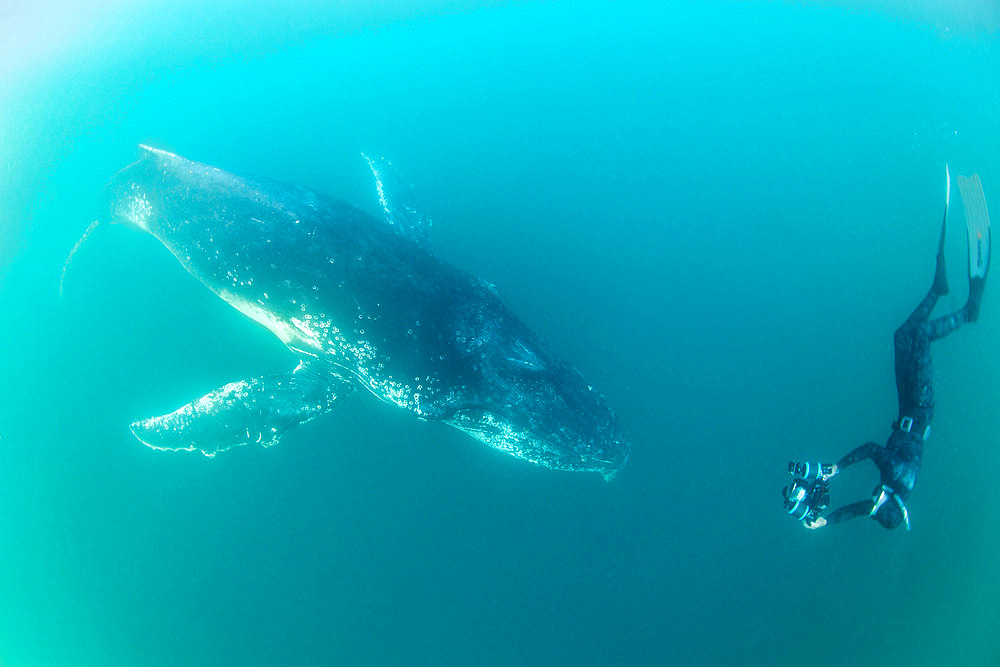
(69, 258)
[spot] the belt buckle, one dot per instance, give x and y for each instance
(905, 424)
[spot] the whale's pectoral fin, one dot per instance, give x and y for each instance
(255, 411)
(397, 200)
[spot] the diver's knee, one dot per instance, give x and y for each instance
(904, 334)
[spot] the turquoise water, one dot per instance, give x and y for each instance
(718, 211)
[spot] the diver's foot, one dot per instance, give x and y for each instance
(818, 522)
(976, 287)
(940, 276)
(940, 273)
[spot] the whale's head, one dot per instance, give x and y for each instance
(539, 408)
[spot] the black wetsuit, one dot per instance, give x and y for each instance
(899, 460)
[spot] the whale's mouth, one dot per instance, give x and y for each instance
(524, 443)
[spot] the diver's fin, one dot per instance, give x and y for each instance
(397, 200)
(255, 411)
(977, 223)
(947, 190)
(940, 272)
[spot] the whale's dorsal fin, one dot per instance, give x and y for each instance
(397, 200)
(254, 411)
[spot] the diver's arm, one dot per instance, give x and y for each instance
(852, 511)
(869, 450)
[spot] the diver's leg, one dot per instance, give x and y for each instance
(940, 286)
(942, 326)
(923, 310)
(852, 511)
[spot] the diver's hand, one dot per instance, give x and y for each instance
(813, 524)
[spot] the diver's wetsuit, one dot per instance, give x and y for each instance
(899, 460)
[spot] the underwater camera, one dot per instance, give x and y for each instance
(806, 498)
(808, 470)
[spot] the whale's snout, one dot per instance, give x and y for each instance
(612, 455)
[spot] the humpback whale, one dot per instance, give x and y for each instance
(364, 305)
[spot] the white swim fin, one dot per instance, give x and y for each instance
(977, 224)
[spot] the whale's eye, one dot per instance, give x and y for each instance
(519, 355)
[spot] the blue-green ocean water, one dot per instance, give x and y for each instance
(719, 211)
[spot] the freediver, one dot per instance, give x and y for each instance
(899, 460)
